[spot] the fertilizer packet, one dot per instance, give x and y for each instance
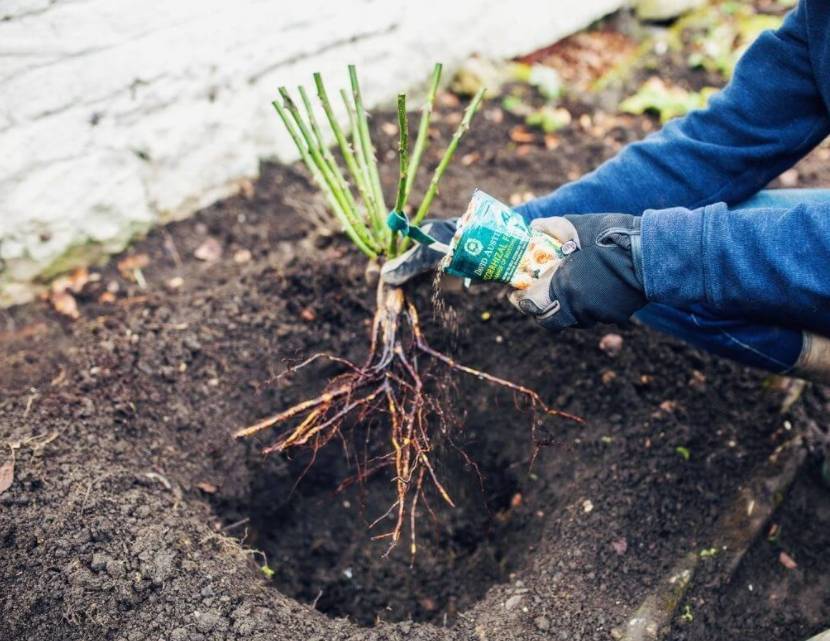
(493, 242)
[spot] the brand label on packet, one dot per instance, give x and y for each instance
(491, 241)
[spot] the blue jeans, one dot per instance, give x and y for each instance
(772, 348)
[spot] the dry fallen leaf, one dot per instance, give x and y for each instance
(65, 304)
(246, 189)
(581, 59)
(608, 376)
(668, 406)
(209, 251)
(620, 546)
(74, 281)
(523, 150)
(611, 344)
(698, 380)
(130, 263)
(787, 561)
(521, 135)
(7, 474)
(242, 256)
(448, 99)
(453, 119)
(207, 488)
(495, 115)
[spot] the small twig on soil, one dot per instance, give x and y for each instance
(235, 525)
(154, 476)
(651, 620)
(29, 401)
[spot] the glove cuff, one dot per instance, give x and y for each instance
(637, 254)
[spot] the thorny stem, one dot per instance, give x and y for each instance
(362, 163)
(403, 155)
(328, 157)
(345, 147)
(317, 174)
(366, 146)
(423, 130)
(403, 152)
(343, 197)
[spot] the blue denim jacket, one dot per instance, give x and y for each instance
(771, 264)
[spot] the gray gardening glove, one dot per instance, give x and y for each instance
(600, 283)
(419, 259)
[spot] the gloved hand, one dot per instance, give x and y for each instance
(600, 283)
(419, 259)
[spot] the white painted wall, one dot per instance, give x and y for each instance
(117, 114)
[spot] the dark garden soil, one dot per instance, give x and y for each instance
(133, 515)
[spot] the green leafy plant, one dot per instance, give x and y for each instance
(391, 380)
(719, 33)
(549, 119)
(667, 101)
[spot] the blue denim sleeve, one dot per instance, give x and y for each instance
(769, 265)
(768, 117)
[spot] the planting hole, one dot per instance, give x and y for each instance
(321, 552)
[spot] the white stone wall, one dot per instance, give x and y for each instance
(117, 114)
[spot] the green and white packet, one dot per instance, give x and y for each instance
(494, 243)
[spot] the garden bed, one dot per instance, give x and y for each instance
(133, 514)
